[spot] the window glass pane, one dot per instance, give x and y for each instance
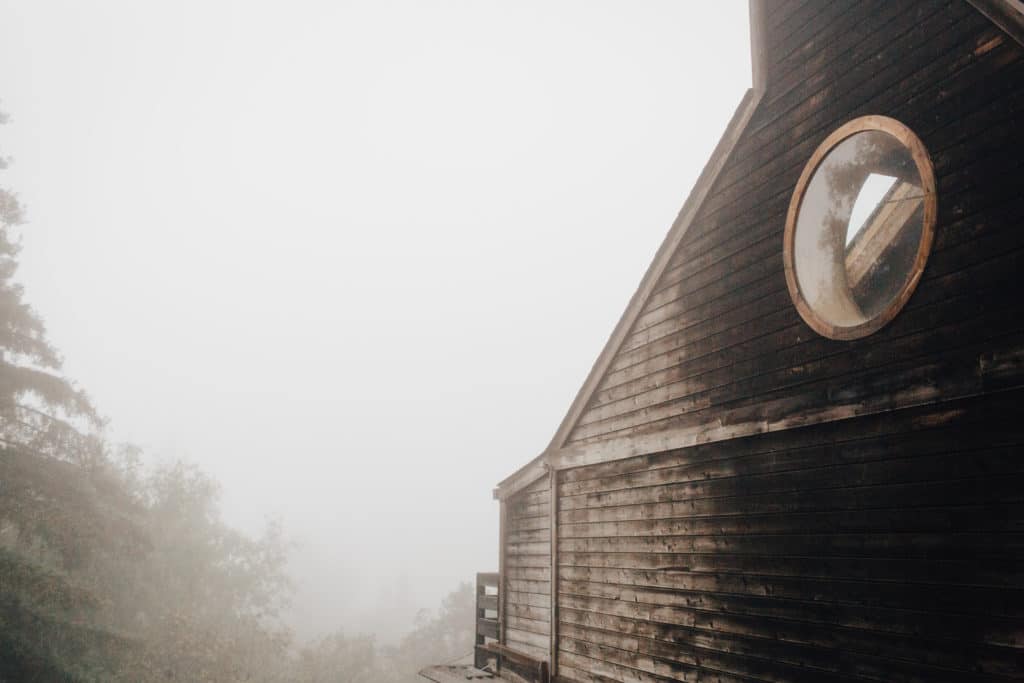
(859, 227)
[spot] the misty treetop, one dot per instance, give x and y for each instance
(111, 570)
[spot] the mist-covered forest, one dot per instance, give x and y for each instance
(118, 567)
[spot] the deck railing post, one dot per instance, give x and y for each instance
(486, 626)
(478, 655)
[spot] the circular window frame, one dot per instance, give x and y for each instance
(925, 169)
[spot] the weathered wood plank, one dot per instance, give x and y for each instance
(529, 612)
(819, 511)
(540, 573)
(536, 626)
(603, 670)
(929, 519)
(542, 548)
(960, 423)
(982, 573)
(665, 378)
(737, 462)
(526, 648)
(533, 644)
(805, 477)
(529, 524)
(777, 660)
(450, 673)
(524, 586)
(529, 535)
(725, 358)
(814, 624)
(920, 545)
(937, 329)
(663, 586)
(488, 627)
(529, 600)
(903, 385)
(529, 568)
(989, 660)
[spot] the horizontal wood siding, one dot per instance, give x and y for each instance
(528, 571)
(720, 342)
(886, 547)
(882, 548)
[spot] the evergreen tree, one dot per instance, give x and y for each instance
(110, 571)
(60, 506)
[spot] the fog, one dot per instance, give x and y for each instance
(353, 259)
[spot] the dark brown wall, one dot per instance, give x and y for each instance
(720, 339)
(887, 547)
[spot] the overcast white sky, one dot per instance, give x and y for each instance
(353, 258)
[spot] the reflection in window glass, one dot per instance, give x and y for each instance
(871, 195)
(859, 227)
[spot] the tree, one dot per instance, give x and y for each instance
(439, 637)
(112, 571)
(339, 659)
(59, 506)
(436, 638)
(206, 598)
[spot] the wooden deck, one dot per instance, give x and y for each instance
(453, 673)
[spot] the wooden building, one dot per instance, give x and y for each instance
(799, 456)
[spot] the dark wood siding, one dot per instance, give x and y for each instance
(720, 342)
(882, 548)
(528, 571)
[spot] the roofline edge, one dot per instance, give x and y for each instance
(1006, 14)
(538, 466)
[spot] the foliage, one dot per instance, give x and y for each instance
(338, 658)
(441, 637)
(54, 517)
(111, 571)
(205, 598)
(436, 638)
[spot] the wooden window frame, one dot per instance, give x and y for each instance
(927, 172)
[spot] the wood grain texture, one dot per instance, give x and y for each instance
(743, 499)
(884, 548)
(528, 566)
(553, 559)
(720, 332)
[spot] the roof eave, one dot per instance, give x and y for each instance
(1006, 14)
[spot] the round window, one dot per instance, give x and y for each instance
(859, 228)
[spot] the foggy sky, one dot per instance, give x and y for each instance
(353, 258)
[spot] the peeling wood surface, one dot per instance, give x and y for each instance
(742, 499)
(883, 548)
(527, 570)
(717, 330)
(719, 350)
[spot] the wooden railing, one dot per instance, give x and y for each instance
(487, 627)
